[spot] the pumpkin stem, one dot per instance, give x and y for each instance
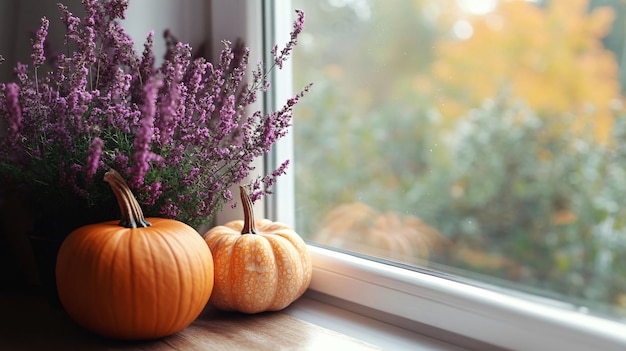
(132, 215)
(248, 212)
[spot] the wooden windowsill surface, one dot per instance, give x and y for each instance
(29, 322)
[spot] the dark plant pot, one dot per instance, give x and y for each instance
(45, 250)
(48, 235)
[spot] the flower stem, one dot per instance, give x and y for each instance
(36, 81)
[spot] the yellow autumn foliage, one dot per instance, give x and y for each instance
(552, 58)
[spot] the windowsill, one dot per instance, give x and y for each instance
(29, 322)
(315, 308)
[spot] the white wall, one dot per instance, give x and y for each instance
(8, 10)
(187, 19)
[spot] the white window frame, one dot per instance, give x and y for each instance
(428, 304)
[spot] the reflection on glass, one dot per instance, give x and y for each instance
(485, 138)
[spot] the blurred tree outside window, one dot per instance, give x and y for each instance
(482, 138)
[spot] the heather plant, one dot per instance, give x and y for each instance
(181, 134)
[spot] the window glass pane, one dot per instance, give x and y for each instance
(478, 137)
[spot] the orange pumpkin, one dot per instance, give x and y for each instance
(358, 227)
(259, 265)
(136, 279)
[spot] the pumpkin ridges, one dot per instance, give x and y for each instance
(230, 282)
(300, 247)
(171, 264)
(160, 277)
(234, 290)
(179, 301)
(187, 307)
(120, 263)
(220, 298)
(132, 283)
(159, 313)
(189, 311)
(220, 258)
(98, 286)
(155, 273)
(255, 281)
(147, 300)
(148, 306)
(289, 268)
(88, 252)
(121, 305)
(95, 288)
(173, 291)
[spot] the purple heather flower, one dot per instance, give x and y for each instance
(169, 100)
(298, 27)
(191, 176)
(170, 209)
(260, 186)
(239, 64)
(226, 123)
(143, 137)
(122, 45)
(93, 158)
(14, 112)
(227, 195)
(153, 193)
(193, 86)
(145, 68)
(167, 114)
(71, 179)
(93, 16)
(21, 71)
(120, 163)
(116, 8)
(71, 22)
(38, 55)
